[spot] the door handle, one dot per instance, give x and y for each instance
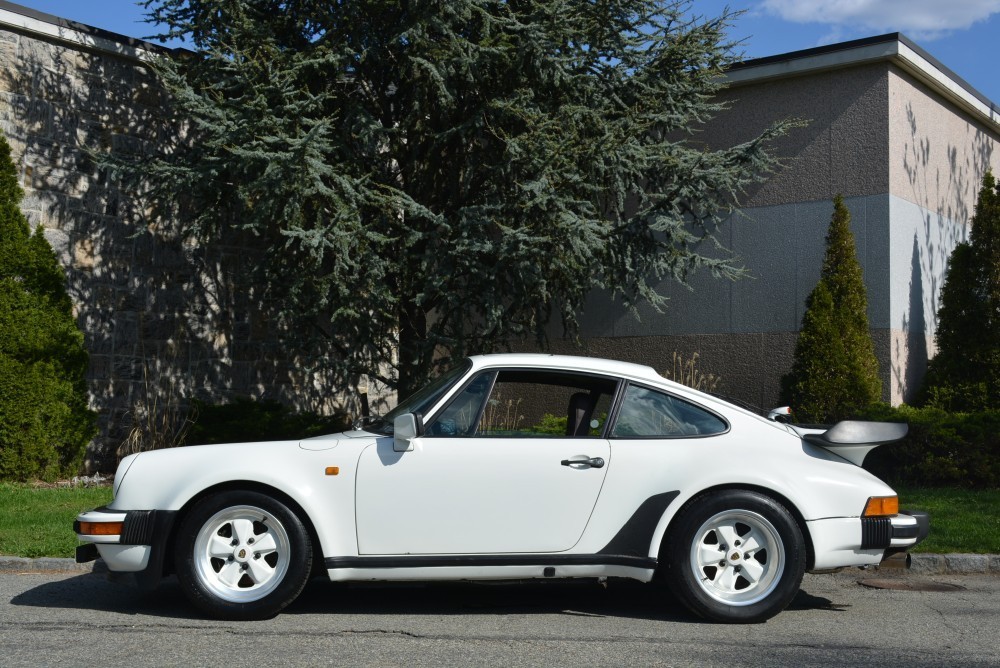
(593, 462)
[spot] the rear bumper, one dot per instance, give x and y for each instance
(899, 532)
(854, 541)
(906, 534)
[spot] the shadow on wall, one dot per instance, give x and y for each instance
(909, 378)
(946, 189)
(165, 319)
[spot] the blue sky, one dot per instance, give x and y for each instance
(962, 34)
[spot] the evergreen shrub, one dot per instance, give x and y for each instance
(45, 424)
(942, 449)
(835, 372)
(965, 373)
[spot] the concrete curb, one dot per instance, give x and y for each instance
(954, 564)
(920, 564)
(49, 565)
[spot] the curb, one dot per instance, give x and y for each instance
(954, 564)
(49, 565)
(920, 564)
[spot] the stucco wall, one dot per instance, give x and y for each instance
(745, 331)
(938, 154)
(909, 163)
(844, 148)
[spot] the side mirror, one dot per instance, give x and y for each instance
(405, 428)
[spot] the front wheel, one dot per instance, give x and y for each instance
(735, 556)
(242, 555)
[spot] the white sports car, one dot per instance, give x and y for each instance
(514, 467)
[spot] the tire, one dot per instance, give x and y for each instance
(242, 555)
(735, 556)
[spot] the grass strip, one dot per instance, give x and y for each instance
(962, 520)
(38, 521)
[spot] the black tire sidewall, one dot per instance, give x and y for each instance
(683, 581)
(299, 567)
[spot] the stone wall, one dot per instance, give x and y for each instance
(165, 320)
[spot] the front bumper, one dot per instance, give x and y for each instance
(139, 548)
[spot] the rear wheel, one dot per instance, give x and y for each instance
(242, 555)
(736, 556)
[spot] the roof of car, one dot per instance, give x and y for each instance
(566, 362)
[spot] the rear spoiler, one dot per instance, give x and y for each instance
(854, 439)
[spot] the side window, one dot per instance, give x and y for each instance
(522, 404)
(646, 412)
(459, 417)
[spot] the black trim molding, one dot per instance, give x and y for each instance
(138, 528)
(634, 537)
(876, 533)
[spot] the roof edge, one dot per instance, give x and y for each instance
(896, 48)
(53, 28)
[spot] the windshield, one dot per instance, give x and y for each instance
(421, 401)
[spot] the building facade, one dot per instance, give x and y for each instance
(903, 139)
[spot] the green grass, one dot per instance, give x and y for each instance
(38, 521)
(961, 520)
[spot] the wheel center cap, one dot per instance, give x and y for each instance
(735, 556)
(242, 554)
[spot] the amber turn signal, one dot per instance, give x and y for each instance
(881, 506)
(100, 528)
(332, 470)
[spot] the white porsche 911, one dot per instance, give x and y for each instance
(514, 467)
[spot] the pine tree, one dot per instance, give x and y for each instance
(45, 423)
(835, 372)
(430, 178)
(964, 375)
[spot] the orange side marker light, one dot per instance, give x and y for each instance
(101, 528)
(881, 506)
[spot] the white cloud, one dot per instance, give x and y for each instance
(926, 19)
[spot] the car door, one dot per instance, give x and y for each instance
(514, 464)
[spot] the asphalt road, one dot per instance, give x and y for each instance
(81, 619)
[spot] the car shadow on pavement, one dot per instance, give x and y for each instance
(616, 598)
(626, 599)
(94, 591)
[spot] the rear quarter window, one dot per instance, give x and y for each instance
(647, 413)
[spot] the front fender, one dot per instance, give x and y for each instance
(168, 480)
